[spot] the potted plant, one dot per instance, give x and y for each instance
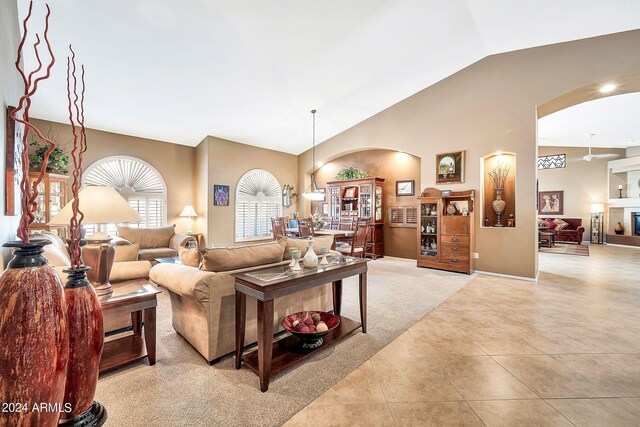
(351, 172)
(58, 159)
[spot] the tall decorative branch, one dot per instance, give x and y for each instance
(499, 173)
(21, 115)
(79, 148)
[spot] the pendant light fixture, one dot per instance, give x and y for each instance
(312, 193)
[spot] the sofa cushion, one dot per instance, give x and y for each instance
(226, 259)
(127, 252)
(560, 224)
(303, 245)
(189, 256)
(157, 237)
(152, 253)
(552, 225)
(55, 257)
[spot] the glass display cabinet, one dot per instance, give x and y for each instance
(361, 198)
(446, 238)
(52, 197)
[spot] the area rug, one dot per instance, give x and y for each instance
(566, 249)
(183, 390)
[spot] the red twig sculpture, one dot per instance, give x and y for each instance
(79, 147)
(30, 193)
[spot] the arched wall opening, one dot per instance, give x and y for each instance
(393, 166)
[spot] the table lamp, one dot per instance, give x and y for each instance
(99, 205)
(189, 212)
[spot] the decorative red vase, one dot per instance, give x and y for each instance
(86, 339)
(35, 342)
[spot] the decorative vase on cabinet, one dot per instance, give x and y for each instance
(619, 228)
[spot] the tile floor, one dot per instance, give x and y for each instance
(563, 351)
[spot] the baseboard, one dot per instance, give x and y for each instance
(622, 246)
(508, 276)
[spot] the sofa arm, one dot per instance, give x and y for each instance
(183, 280)
(580, 229)
(178, 240)
(129, 270)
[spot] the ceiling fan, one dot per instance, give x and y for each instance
(590, 156)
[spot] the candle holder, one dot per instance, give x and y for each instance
(620, 193)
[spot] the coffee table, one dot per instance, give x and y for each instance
(547, 238)
(138, 298)
(267, 284)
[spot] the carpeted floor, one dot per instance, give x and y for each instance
(567, 249)
(183, 390)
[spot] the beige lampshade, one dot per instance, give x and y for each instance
(188, 211)
(100, 205)
(597, 207)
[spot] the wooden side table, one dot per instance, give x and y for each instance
(138, 298)
(200, 239)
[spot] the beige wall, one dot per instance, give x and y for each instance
(176, 163)
(227, 162)
(583, 182)
(486, 107)
(10, 90)
(392, 166)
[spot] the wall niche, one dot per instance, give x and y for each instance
(498, 190)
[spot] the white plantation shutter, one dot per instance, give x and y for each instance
(258, 198)
(138, 182)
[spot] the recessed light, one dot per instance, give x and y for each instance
(609, 87)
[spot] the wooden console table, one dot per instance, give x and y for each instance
(267, 284)
(138, 298)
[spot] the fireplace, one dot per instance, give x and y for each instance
(635, 223)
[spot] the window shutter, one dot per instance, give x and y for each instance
(258, 198)
(403, 216)
(411, 216)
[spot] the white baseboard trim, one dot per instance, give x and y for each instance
(508, 276)
(622, 246)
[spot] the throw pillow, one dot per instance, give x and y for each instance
(303, 245)
(550, 223)
(227, 259)
(560, 224)
(189, 256)
(542, 223)
(127, 252)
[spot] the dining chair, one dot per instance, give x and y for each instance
(358, 243)
(278, 227)
(335, 223)
(346, 224)
(305, 228)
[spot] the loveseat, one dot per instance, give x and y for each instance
(203, 302)
(156, 242)
(572, 233)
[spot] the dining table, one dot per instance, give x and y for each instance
(337, 234)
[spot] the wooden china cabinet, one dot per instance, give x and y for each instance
(446, 237)
(52, 197)
(360, 198)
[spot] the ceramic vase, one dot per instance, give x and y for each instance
(310, 258)
(34, 337)
(86, 339)
(619, 228)
(498, 206)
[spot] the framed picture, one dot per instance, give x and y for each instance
(220, 195)
(450, 168)
(406, 187)
(550, 202)
(12, 162)
(350, 193)
(325, 209)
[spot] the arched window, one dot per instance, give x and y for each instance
(258, 198)
(137, 181)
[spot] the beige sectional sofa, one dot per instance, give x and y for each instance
(203, 302)
(157, 242)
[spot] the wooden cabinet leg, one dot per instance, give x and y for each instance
(241, 307)
(337, 297)
(363, 301)
(136, 322)
(265, 342)
(150, 333)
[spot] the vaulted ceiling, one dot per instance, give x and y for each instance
(251, 70)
